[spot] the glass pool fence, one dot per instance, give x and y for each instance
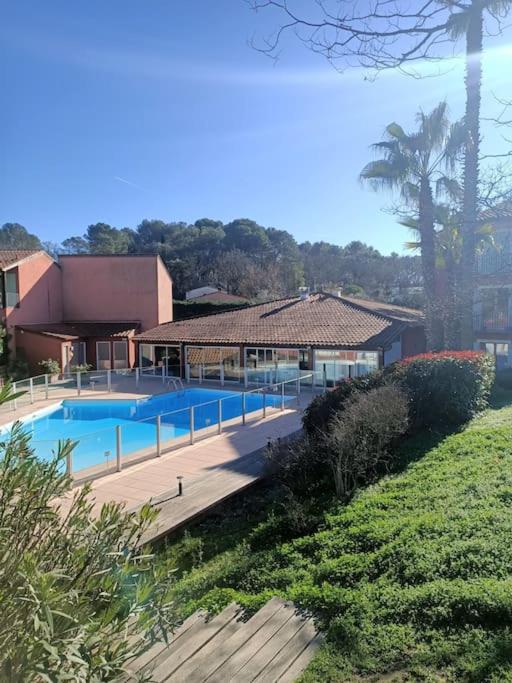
(137, 440)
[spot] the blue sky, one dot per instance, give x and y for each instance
(122, 110)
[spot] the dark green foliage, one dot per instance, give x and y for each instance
(359, 441)
(77, 592)
(324, 407)
(411, 577)
(15, 236)
(353, 449)
(445, 388)
(248, 259)
(191, 309)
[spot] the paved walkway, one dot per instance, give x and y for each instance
(212, 470)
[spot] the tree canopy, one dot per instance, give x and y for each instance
(246, 258)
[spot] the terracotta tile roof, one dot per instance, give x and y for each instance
(10, 257)
(69, 331)
(321, 320)
(397, 312)
(501, 212)
(219, 297)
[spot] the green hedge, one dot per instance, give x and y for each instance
(323, 408)
(191, 309)
(445, 388)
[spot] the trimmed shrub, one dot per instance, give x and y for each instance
(445, 388)
(298, 464)
(352, 450)
(323, 408)
(359, 439)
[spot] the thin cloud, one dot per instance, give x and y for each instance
(127, 182)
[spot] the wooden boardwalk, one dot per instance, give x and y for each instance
(212, 469)
(275, 645)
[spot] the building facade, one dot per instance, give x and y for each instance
(274, 341)
(81, 309)
(492, 308)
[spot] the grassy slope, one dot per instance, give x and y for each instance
(413, 577)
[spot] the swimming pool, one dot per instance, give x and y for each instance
(92, 423)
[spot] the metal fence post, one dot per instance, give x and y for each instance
(246, 378)
(191, 420)
(325, 378)
(221, 375)
(69, 463)
(31, 384)
(158, 441)
(46, 387)
(118, 448)
(264, 404)
(187, 372)
(109, 381)
(137, 376)
(78, 383)
(15, 402)
(219, 415)
(282, 395)
(243, 408)
(163, 374)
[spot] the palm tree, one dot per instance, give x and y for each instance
(416, 164)
(448, 246)
(468, 22)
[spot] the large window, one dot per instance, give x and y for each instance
(206, 362)
(275, 365)
(161, 356)
(339, 365)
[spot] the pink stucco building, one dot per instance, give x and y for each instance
(83, 309)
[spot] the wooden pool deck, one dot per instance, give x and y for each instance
(212, 469)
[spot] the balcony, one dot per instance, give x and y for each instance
(494, 321)
(494, 262)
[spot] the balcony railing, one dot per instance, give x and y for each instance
(496, 321)
(494, 263)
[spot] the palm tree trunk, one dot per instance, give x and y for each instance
(474, 39)
(433, 322)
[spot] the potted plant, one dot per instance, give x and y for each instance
(81, 368)
(50, 367)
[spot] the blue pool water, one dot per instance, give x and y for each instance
(92, 423)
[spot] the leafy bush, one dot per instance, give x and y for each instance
(81, 368)
(445, 388)
(76, 592)
(50, 366)
(351, 450)
(323, 408)
(299, 464)
(358, 441)
(411, 577)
